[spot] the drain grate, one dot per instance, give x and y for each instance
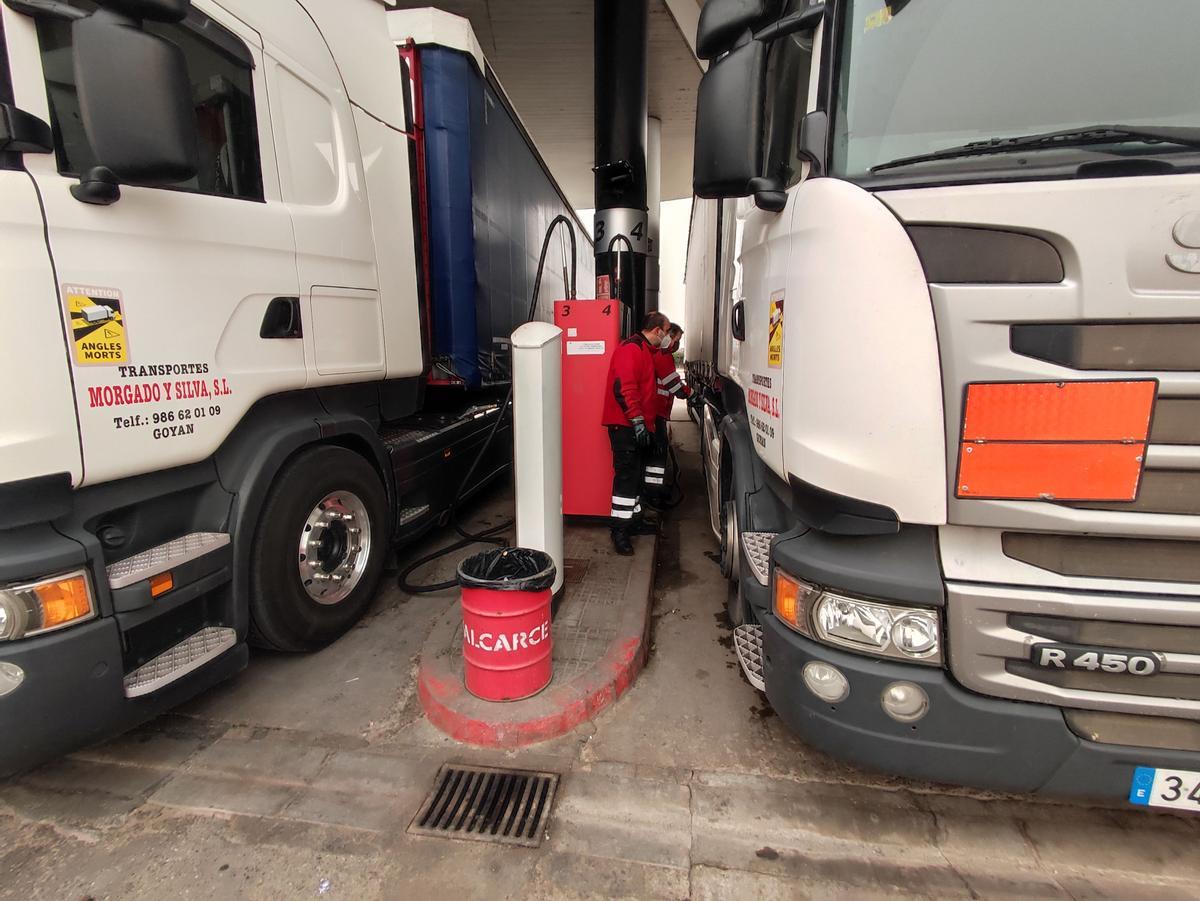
(488, 804)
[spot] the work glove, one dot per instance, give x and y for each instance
(642, 434)
(695, 402)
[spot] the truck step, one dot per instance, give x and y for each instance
(411, 514)
(758, 553)
(164, 557)
(190, 654)
(748, 643)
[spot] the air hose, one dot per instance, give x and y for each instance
(490, 535)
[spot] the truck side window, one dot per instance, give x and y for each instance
(789, 63)
(220, 68)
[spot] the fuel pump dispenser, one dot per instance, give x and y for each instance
(591, 330)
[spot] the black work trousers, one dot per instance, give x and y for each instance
(655, 462)
(627, 478)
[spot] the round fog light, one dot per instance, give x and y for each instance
(11, 677)
(904, 702)
(826, 682)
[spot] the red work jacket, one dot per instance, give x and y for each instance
(669, 384)
(631, 390)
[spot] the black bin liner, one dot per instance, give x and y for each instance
(508, 569)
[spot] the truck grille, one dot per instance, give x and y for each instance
(1089, 556)
(992, 631)
(1123, 347)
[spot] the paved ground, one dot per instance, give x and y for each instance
(309, 769)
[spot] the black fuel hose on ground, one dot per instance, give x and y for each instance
(490, 535)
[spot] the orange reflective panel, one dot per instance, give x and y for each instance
(1059, 411)
(1076, 472)
(1082, 441)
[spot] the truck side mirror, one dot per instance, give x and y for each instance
(729, 127)
(135, 97)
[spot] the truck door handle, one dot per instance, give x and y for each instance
(282, 319)
(737, 321)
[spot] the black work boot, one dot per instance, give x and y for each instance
(621, 543)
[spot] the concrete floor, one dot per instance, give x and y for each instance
(306, 769)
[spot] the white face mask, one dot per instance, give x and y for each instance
(665, 340)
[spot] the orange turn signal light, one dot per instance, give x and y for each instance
(791, 599)
(161, 584)
(63, 601)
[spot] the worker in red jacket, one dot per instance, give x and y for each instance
(630, 413)
(669, 386)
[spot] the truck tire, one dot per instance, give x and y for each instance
(318, 551)
(731, 563)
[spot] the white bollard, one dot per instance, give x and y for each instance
(537, 439)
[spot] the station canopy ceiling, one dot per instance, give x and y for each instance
(542, 52)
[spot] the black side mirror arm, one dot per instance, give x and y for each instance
(769, 194)
(98, 186)
(805, 20)
(813, 142)
(22, 132)
(46, 9)
(737, 321)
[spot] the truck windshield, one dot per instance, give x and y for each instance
(919, 76)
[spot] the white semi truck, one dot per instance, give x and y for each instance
(259, 260)
(943, 299)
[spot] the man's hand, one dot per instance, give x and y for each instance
(642, 434)
(695, 401)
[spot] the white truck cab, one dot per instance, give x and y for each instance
(942, 297)
(237, 366)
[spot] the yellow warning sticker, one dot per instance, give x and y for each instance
(879, 18)
(775, 339)
(98, 328)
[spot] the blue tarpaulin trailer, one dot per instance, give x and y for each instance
(491, 199)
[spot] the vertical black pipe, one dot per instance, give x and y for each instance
(620, 168)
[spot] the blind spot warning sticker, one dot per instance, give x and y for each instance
(775, 335)
(97, 320)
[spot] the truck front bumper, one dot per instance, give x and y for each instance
(964, 739)
(72, 693)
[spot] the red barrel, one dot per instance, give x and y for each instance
(506, 622)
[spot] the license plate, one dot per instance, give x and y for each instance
(1179, 789)
(1082, 657)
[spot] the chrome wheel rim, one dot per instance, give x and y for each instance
(730, 559)
(335, 545)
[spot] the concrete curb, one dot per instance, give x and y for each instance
(558, 709)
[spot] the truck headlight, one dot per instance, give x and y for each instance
(45, 605)
(907, 633)
(870, 627)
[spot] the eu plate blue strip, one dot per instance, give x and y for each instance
(1143, 781)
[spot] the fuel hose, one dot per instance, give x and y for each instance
(490, 535)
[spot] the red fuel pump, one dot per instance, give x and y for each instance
(591, 331)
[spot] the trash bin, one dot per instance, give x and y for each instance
(506, 622)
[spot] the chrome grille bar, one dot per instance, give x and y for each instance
(989, 655)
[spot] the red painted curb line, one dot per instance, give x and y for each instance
(558, 709)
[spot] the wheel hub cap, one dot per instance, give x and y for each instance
(335, 545)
